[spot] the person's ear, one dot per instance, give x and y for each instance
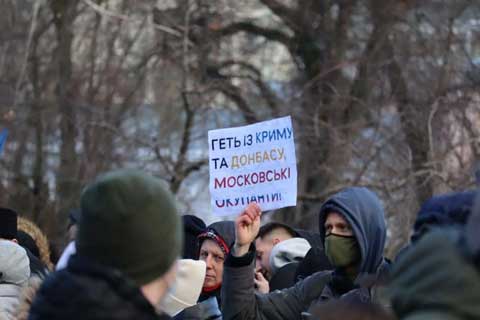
(275, 241)
(14, 240)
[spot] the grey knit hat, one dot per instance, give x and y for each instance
(129, 221)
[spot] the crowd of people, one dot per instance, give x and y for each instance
(131, 255)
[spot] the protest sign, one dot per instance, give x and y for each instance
(253, 163)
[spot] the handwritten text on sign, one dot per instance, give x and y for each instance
(253, 163)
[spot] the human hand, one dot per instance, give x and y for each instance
(247, 226)
(261, 284)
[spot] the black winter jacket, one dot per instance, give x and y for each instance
(88, 291)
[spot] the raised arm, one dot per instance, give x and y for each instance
(239, 300)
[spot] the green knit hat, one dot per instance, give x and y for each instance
(129, 221)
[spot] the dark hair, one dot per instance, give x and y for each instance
(192, 227)
(26, 241)
(8, 223)
(269, 227)
(73, 217)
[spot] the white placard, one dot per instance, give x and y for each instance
(253, 163)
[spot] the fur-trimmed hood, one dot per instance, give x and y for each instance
(39, 238)
(26, 297)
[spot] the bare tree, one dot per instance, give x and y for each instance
(382, 94)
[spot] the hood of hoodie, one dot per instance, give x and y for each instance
(288, 251)
(226, 230)
(444, 210)
(364, 212)
(223, 229)
(312, 237)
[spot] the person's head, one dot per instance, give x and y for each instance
(215, 245)
(192, 227)
(72, 228)
(446, 210)
(288, 251)
(269, 235)
(130, 223)
(353, 230)
(8, 224)
(213, 256)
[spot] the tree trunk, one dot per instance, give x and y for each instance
(67, 186)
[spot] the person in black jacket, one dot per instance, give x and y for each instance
(438, 277)
(214, 244)
(193, 226)
(277, 268)
(445, 210)
(129, 239)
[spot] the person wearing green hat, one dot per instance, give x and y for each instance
(438, 277)
(129, 239)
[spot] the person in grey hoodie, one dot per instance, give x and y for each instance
(353, 230)
(285, 258)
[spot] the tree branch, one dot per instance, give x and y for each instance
(265, 91)
(287, 15)
(104, 12)
(179, 170)
(270, 34)
(233, 93)
(194, 166)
